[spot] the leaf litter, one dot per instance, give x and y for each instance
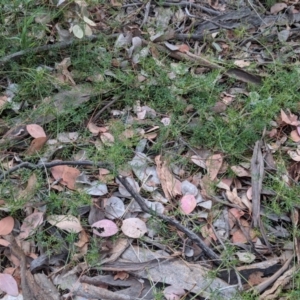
(211, 192)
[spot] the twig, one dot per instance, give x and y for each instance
(31, 166)
(193, 5)
(147, 10)
(194, 237)
(262, 286)
(110, 103)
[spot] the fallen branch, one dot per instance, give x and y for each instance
(262, 286)
(194, 237)
(257, 175)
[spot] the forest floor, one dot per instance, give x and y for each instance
(149, 149)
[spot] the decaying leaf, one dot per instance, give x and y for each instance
(199, 161)
(36, 145)
(30, 224)
(66, 175)
(213, 165)
(234, 197)
(240, 171)
(170, 185)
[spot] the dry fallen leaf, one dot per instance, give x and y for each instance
(68, 223)
(67, 175)
(170, 185)
(83, 239)
(36, 131)
(234, 198)
(6, 225)
(30, 224)
(225, 183)
(134, 227)
(289, 118)
(114, 208)
(213, 165)
(107, 138)
(242, 63)
(295, 136)
(30, 188)
(36, 145)
(199, 161)
(277, 7)
(240, 171)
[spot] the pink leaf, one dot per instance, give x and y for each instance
(6, 225)
(134, 227)
(105, 228)
(30, 224)
(36, 131)
(188, 203)
(8, 285)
